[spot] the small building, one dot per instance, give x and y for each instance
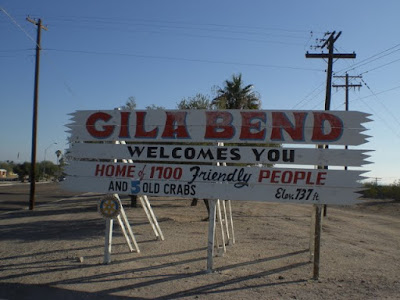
(3, 173)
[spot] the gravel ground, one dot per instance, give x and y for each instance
(56, 251)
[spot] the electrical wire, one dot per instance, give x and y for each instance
(381, 103)
(182, 59)
(371, 59)
(16, 24)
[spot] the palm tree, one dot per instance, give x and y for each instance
(58, 153)
(234, 96)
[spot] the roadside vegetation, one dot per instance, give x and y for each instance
(45, 170)
(375, 191)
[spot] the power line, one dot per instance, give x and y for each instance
(182, 59)
(120, 20)
(381, 66)
(381, 103)
(16, 24)
(370, 59)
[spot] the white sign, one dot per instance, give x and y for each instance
(189, 137)
(230, 126)
(228, 154)
(312, 194)
(238, 176)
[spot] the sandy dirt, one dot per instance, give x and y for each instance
(56, 251)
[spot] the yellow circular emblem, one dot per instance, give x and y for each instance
(109, 207)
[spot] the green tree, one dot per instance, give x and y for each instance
(153, 106)
(234, 95)
(199, 101)
(7, 165)
(130, 104)
(23, 170)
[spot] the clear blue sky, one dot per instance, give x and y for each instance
(98, 53)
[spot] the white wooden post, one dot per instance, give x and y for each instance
(142, 202)
(231, 219)
(211, 235)
(108, 241)
(124, 233)
(126, 222)
(147, 202)
(222, 225)
(226, 222)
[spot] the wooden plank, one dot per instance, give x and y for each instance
(108, 241)
(262, 193)
(212, 154)
(211, 235)
(230, 126)
(238, 176)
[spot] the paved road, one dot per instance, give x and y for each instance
(16, 196)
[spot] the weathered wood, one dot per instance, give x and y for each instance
(211, 154)
(236, 175)
(211, 235)
(108, 241)
(153, 216)
(231, 221)
(149, 217)
(317, 240)
(221, 225)
(225, 220)
(128, 241)
(339, 195)
(128, 226)
(231, 126)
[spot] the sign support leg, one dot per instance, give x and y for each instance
(221, 224)
(126, 222)
(226, 222)
(211, 235)
(124, 233)
(147, 202)
(148, 216)
(108, 241)
(312, 230)
(231, 220)
(317, 240)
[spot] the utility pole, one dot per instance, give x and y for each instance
(347, 86)
(35, 111)
(329, 44)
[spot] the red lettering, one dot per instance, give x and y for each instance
(99, 170)
(91, 125)
(120, 171)
(219, 125)
(179, 119)
(321, 178)
(131, 171)
(280, 121)
(299, 175)
(308, 180)
(276, 175)
(287, 176)
(110, 170)
(140, 130)
(124, 131)
(247, 130)
(335, 123)
(263, 174)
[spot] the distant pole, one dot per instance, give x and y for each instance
(329, 44)
(347, 85)
(35, 112)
